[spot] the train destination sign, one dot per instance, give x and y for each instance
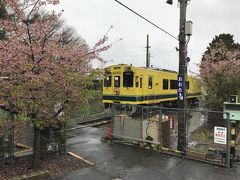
(220, 135)
(180, 90)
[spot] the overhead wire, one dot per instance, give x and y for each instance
(146, 19)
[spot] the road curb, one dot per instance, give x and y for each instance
(77, 156)
(23, 146)
(34, 176)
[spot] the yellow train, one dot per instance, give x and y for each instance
(127, 84)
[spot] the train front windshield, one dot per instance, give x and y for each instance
(128, 79)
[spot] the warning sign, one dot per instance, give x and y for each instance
(220, 135)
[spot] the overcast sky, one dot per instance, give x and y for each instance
(92, 18)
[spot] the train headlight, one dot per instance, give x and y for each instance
(127, 68)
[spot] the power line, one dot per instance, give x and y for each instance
(146, 19)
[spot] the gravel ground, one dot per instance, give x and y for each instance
(56, 165)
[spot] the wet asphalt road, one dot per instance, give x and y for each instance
(115, 161)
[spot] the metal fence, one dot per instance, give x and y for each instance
(17, 137)
(196, 134)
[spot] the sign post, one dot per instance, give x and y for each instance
(181, 87)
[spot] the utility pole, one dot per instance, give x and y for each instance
(182, 76)
(147, 53)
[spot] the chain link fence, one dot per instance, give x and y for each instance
(195, 134)
(17, 138)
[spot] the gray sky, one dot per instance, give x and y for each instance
(92, 18)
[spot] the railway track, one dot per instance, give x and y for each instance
(96, 123)
(91, 123)
(79, 122)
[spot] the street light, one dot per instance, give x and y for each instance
(170, 2)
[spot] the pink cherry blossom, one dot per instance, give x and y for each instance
(41, 68)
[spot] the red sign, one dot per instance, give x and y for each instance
(220, 135)
(172, 119)
(116, 92)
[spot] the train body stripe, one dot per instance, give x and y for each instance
(144, 98)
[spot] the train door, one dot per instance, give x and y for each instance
(141, 87)
(117, 82)
(150, 93)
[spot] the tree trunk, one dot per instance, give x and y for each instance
(36, 148)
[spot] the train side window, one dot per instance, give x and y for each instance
(173, 84)
(137, 81)
(140, 82)
(128, 79)
(116, 81)
(187, 84)
(165, 84)
(137, 84)
(150, 82)
(107, 81)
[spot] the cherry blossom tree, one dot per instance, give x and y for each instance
(42, 66)
(3, 13)
(220, 70)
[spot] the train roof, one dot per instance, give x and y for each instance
(149, 68)
(160, 69)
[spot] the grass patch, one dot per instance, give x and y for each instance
(93, 107)
(204, 134)
(203, 137)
